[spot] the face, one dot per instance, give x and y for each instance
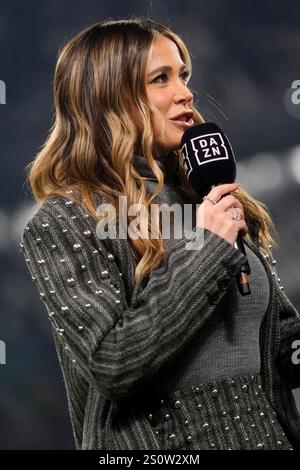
(168, 95)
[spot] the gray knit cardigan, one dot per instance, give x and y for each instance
(113, 338)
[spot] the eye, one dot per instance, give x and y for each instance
(185, 75)
(161, 76)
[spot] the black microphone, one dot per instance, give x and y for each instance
(208, 161)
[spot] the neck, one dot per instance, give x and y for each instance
(167, 163)
(159, 154)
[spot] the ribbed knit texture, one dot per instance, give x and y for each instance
(112, 339)
(228, 343)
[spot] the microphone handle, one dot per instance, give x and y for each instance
(242, 278)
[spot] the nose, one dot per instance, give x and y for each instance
(182, 94)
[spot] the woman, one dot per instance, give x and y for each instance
(158, 349)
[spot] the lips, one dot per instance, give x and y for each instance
(183, 120)
(185, 116)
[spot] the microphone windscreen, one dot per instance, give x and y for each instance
(208, 158)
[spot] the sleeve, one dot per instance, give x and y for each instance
(116, 346)
(288, 359)
(289, 350)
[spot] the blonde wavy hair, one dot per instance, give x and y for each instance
(99, 80)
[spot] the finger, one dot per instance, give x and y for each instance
(218, 192)
(225, 188)
(229, 201)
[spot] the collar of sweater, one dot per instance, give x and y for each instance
(168, 165)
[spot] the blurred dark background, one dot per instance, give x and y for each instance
(245, 57)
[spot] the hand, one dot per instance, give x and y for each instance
(217, 217)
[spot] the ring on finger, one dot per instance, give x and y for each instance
(211, 200)
(235, 213)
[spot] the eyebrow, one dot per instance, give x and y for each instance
(167, 68)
